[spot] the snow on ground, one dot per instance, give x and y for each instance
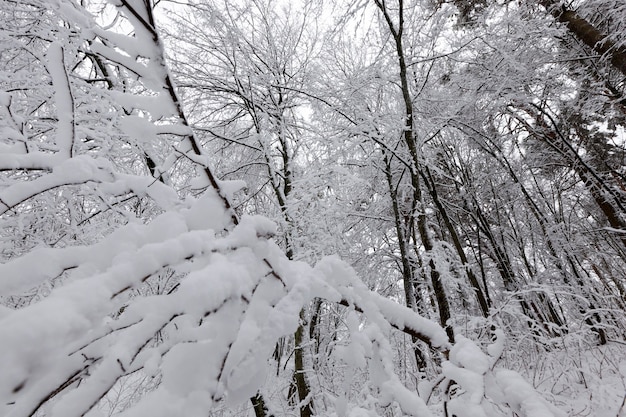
(584, 380)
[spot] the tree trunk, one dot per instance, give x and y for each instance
(409, 140)
(299, 373)
(258, 404)
(408, 269)
(588, 34)
(478, 291)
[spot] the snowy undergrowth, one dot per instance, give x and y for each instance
(580, 378)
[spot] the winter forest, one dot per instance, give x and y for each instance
(269, 208)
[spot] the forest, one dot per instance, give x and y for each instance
(300, 208)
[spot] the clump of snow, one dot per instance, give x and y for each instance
(5, 99)
(207, 212)
(521, 396)
(229, 188)
(495, 349)
(467, 355)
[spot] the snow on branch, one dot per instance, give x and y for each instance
(64, 103)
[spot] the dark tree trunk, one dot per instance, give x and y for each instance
(588, 34)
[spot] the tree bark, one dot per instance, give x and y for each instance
(408, 274)
(409, 140)
(482, 300)
(588, 34)
(299, 377)
(260, 409)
